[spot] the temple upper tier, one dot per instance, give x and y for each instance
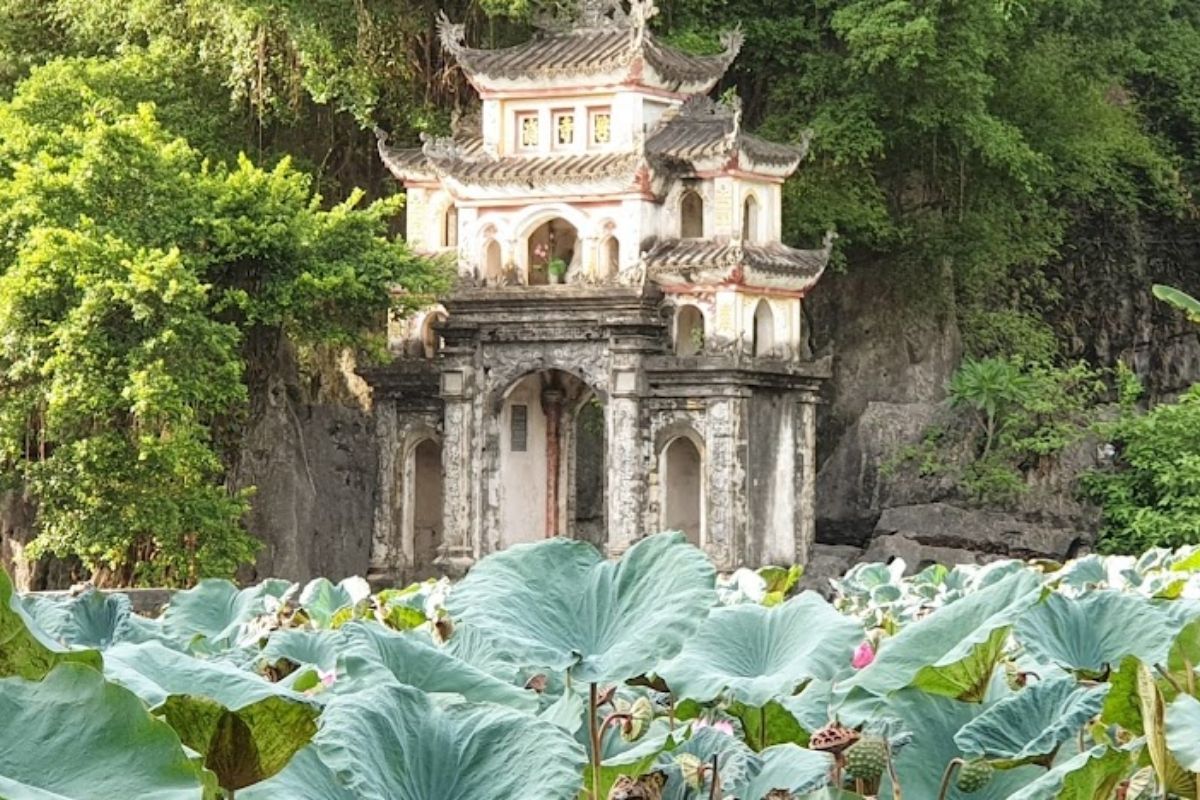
(596, 146)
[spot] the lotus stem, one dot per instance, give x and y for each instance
(1190, 675)
(594, 734)
(954, 764)
(897, 793)
(1167, 676)
(715, 792)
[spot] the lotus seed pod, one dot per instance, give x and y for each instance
(974, 775)
(866, 759)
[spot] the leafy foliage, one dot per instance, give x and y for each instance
(1151, 496)
(1039, 680)
(137, 280)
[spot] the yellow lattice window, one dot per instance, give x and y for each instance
(527, 126)
(564, 128)
(601, 126)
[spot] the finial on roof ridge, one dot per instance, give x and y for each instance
(453, 35)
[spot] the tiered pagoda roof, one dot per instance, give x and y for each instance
(697, 262)
(603, 44)
(697, 137)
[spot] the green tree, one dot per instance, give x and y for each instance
(139, 284)
(1151, 495)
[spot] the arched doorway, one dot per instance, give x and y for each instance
(610, 258)
(691, 215)
(750, 232)
(689, 331)
(763, 342)
(551, 460)
(493, 267)
(553, 241)
(424, 518)
(681, 475)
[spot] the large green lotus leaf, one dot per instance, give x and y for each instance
(1183, 731)
(1096, 631)
(787, 767)
(215, 614)
(92, 619)
(25, 649)
(1090, 775)
(1030, 725)
(736, 763)
(1172, 776)
(307, 771)
(559, 604)
(321, 649)
(933, 721)
(393, 742)
(952, 651)
(326, 603)
(73, 736)
(417, 662)
(245, 727)
(754, 654)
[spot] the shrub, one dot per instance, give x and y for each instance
(1151, 494)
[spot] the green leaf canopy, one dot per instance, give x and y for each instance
(246, 728)
(393, 742)
(754, 654)
(1031, 724)
(559, 604)
(72, 736)
(214, 612)
(1096, 631)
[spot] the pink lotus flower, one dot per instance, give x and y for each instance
(864, 654)
(720, 726)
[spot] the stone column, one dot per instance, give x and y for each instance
(384, 567)
(626, 470)
(459, 484)
(806, 476)
(725, 495)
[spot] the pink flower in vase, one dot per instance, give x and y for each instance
(864, 654)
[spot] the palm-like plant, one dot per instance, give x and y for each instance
(988, 385)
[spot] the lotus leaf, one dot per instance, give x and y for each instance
(952, 652)
(559, 604)
(73, 736)
(1183, 731)
(415, 661)
(214, 614)
(736, 763)
(1030, 725)
(753, 654)
(246, 728)
(788, 767)
(1097, 630)
(392, 742)
(321, 649)
(327, 604)
(933, 721)
(1089, 775)
(25, 650)
(306, 770)
(92, 619)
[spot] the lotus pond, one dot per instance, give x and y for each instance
(549, 672)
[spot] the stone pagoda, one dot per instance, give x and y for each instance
(625, 350)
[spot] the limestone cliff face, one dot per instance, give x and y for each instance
(891, 366)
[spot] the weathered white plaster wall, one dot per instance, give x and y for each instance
(523, 475)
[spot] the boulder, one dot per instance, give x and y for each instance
(944, 533)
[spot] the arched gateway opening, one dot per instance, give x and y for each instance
(553, 241)
(681, 476)
(551, 468)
